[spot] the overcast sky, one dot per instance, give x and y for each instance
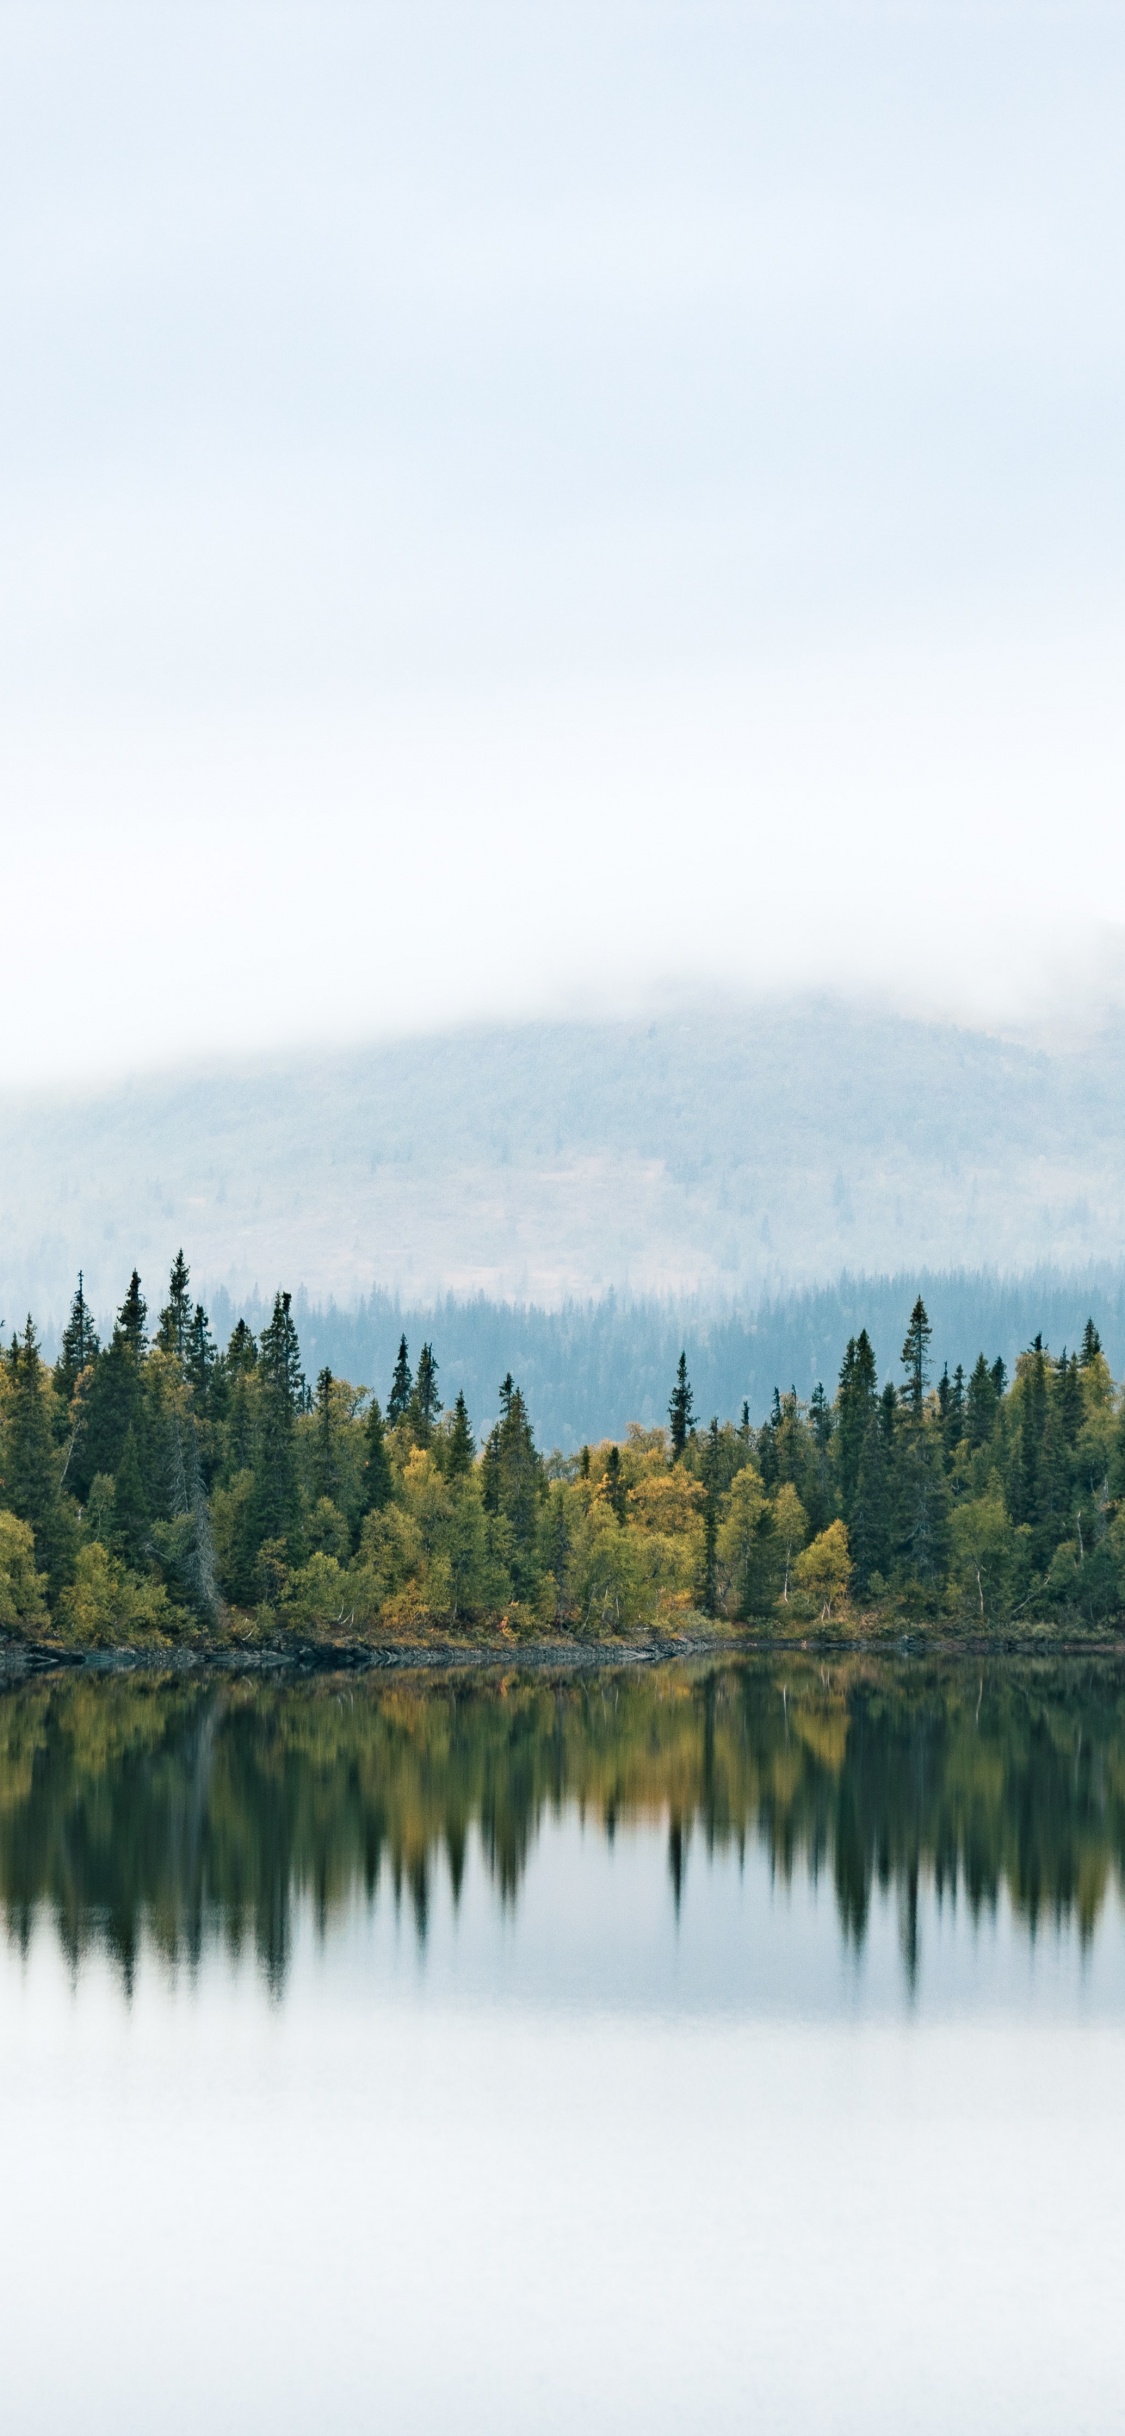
(515, 507)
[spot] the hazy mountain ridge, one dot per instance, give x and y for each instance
(727, 1154)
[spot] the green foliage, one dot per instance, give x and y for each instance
(152, 1490)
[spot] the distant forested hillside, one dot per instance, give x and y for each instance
(727, 1155)
(590, 1369)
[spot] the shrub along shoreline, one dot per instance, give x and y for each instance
(161, 1495)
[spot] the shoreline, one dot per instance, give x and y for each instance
(22, 1662)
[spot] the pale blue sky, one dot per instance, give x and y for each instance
(520, 505)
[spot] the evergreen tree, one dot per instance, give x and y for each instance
(981, 1404)
(242, 1351)
(325, 1467)
(460, 1447)
(31, 1464)
(79, 1345)
(856, 1400)
(1053, 1487)
(870, 1531)
(914, 1359)
(1067, 1395)
(131, 1319)
(378, 1479)
(402, 1388)
(712, 1484)
(425, 1403)
(680, 1406)
(201, 1359)
(923, 1504)
(281, 1396)
(174, 1327)
(953, 1419)
(615, 1483)
(116, 1399)
(131, 1512)
(240, 1364)
(513, 1483)
(1091, 1345)
(1023, 1496)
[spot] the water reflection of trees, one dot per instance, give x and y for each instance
(181, 1810)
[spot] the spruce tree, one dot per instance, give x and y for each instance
(712, 1485)
(856, 1400)
(953, 1425)
(460, 1448)
(201, 1365)
(680, 1405)
(31, 1462)
(402, 1388)
(1023, 1495)
(325, 1467)
(1067, 1394)
(131, 1511)
(378, 1479)
(79, 1345)
(914, 1358)
(981, 1404)
(1091, 1345)
(281, 1396)
(131, 1319)
(871, 1527)
(174, 1328)
(513, 1484)
(116, 1399)
(425, 1403)
(615, 1483)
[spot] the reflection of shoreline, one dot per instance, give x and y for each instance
(134, 1803)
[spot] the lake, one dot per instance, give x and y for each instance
(733, 2046)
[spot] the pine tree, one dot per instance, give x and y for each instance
(402, 1388)
(914, 1353)
(378, 1479)
(680, 1406)
(79, 1345)
(174, 1327)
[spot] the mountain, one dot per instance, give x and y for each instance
(726, 1155)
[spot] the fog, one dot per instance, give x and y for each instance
(512, 510)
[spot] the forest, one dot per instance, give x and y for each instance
(156, 1488)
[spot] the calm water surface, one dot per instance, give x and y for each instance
(727, 2048)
